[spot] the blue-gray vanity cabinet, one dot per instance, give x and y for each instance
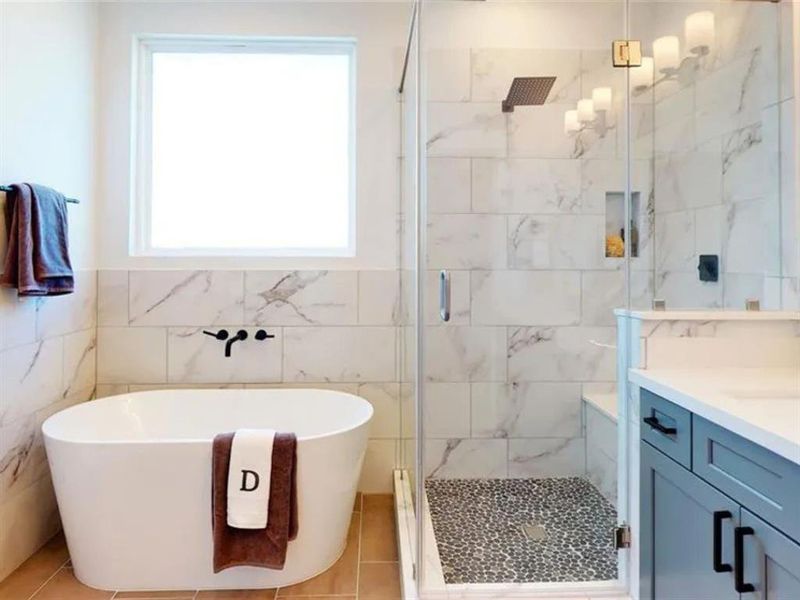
(771, 560)
(686, 536)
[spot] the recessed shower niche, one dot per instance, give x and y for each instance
(616, 233)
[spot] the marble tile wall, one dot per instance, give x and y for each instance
(724, 161)
(333, 329)
(47, 363)
(517, 215)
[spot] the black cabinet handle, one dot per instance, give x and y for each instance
(719, 566)
(656, 424)
(738, 558)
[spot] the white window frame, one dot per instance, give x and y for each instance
(140, 243)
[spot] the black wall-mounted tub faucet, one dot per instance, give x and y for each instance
(240, 335)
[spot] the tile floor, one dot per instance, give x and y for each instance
(368, 569)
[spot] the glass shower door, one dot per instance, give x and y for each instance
(524, 151)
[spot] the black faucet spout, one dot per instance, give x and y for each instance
(240, 335)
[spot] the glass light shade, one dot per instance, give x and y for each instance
(667, 53)
(699, 31)
(585, 110)
(642, 77)
(571, 123)
(601, 98)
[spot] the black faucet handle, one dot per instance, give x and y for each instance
(222, 334)
(241, 334)
(263, 335)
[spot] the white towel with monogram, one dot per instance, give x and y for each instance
(249, 474)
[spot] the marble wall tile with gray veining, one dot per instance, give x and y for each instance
(356, 354)
(466, 354)
(604, 291)
(105, 390)
(538, 132)
(466, 458)
(525, 297)
(301, 297)
(473, 130)
(385, 400)
(449, 185)
(380, 459)
(738, 288)
(194, 357)
(22, 457)
(601, 471)
(689, 179)
(709, 227)
(674, 241)
(466, 242)
(561, 354)
(378, 297)
(493, 69)
(684, 290)
(17, 319)
(112, 298)
(31, 377)
(601, 432)
(751, 243)
(180, 298)
(80, 355)
(732, 96)
(557, 242)
(524, 410)
(447, 410)
(131, 354)
(750, 161)
(57, 315)
(546, 457)
(599, 176)
(526, 185)
(597, 70)
(789, 206)
(448, 74)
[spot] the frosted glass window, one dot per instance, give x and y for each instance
(249, 151)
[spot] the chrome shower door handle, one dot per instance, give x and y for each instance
(444, 295)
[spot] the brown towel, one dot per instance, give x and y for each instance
(37, 261)
(255, 547)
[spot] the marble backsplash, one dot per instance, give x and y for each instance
(47, 363)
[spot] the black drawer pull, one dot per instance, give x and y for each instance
(738, 558)
(719, 566)
(656, 424)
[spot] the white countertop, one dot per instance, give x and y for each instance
(761, 405)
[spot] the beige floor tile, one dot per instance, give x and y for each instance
(171, 595)
(64, 586)
(378, 529)
(31, 574)
(379, 581)
(340, 579)
(236, 595)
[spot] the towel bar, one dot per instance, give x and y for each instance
(7, 188)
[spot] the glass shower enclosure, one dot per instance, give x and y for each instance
(546, 184)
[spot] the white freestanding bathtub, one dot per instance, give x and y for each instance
(132, 475)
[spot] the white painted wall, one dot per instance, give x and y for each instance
(380, 29)
(47, 78)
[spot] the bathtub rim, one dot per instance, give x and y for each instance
(48, 424)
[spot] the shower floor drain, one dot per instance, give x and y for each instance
(534, 532)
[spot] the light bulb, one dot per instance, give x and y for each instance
(699, 31)
(585, 110)
(571, 124)
(667, 53)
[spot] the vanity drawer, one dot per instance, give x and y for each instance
(767, 484)
(667, 426)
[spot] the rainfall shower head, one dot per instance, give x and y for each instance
(527, 91)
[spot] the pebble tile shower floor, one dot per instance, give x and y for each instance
(478, 525)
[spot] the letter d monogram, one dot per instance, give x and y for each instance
(245, 473)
